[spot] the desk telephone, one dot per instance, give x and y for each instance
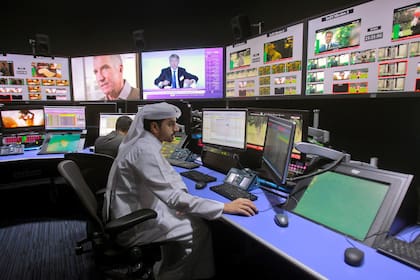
(244, 179)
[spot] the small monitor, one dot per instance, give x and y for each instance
(65, 117)
(107, 122)
(278, 147)
(225, 128)
(358, 201)
(22, 119)
(61, 143)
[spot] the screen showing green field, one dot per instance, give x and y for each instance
(63, 143)
(341, 202)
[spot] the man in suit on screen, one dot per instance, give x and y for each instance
(329, 42)
(175, 76)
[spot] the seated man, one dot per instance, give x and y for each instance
(110, 143)
(141, 177)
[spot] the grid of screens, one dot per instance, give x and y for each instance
(22, 119)
(198, 74)
(107, 122)
(278, 147)
(268, 65)
(351, 52)
(106, 77)
(23, 78)
(65, 118)
(225, 128)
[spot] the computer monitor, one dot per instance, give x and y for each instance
(21, 119)
(65, 118)
(225, 128)
(61, 143)
(360, 202)
(199, 74)
(107, 121)
(278, 147)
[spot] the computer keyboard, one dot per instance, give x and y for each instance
(232, 192)
(183, 163)
(198, 176)
(406, 252)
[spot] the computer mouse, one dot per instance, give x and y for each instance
(200, 185)
(353, 256)
(281, 220)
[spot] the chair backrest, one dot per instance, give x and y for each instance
(94, 167)
(71, 173)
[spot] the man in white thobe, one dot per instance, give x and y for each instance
(142, 178)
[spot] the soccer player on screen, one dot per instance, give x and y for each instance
(175, 76)
(108, 70)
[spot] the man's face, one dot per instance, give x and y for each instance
(328, 37)
(108, 75)
(167, 129)
(173, 61)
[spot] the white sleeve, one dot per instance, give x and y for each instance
(167, 185)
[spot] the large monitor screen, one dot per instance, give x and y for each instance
(183, 74)
(27, 78)
(358, 201)
(267, 65)
(107, 122)
(65, 118)
(106, 77)
(278, 147)
(351, 52)
(225, 127)
(22, 119)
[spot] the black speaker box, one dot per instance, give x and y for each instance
(241, 28)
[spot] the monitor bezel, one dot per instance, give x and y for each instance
(68, 128)
(398, 184)
(279, 178)
(222, 147)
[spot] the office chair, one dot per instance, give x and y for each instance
(109, 256)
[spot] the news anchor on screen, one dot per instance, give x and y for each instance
(174, 76)
(108, 70)
(329, 43)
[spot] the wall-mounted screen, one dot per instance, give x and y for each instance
(352, 52)
(183, 74)
(27, 78)
(267, 65)
(106, 77)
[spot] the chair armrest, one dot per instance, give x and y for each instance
(100, 191)
(128, 221)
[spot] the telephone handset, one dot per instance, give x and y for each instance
(242, 178)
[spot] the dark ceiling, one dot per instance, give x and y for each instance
(88, 27)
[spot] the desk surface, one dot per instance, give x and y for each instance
(312, 247)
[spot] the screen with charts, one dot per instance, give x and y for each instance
(106, 77)
(351, 52)
(61, 143)
(183, 74)
(27, 78)
(278, 147)
(65, 117)
(225, 128)
(267, 65)
(107, 122)
(22, 119)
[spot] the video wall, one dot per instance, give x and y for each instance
(268, 65)
(25, 77)
(370, 48)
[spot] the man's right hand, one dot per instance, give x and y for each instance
(241, 206)
(165, 83)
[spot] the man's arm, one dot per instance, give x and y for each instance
(159, 81)
(187, 75)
